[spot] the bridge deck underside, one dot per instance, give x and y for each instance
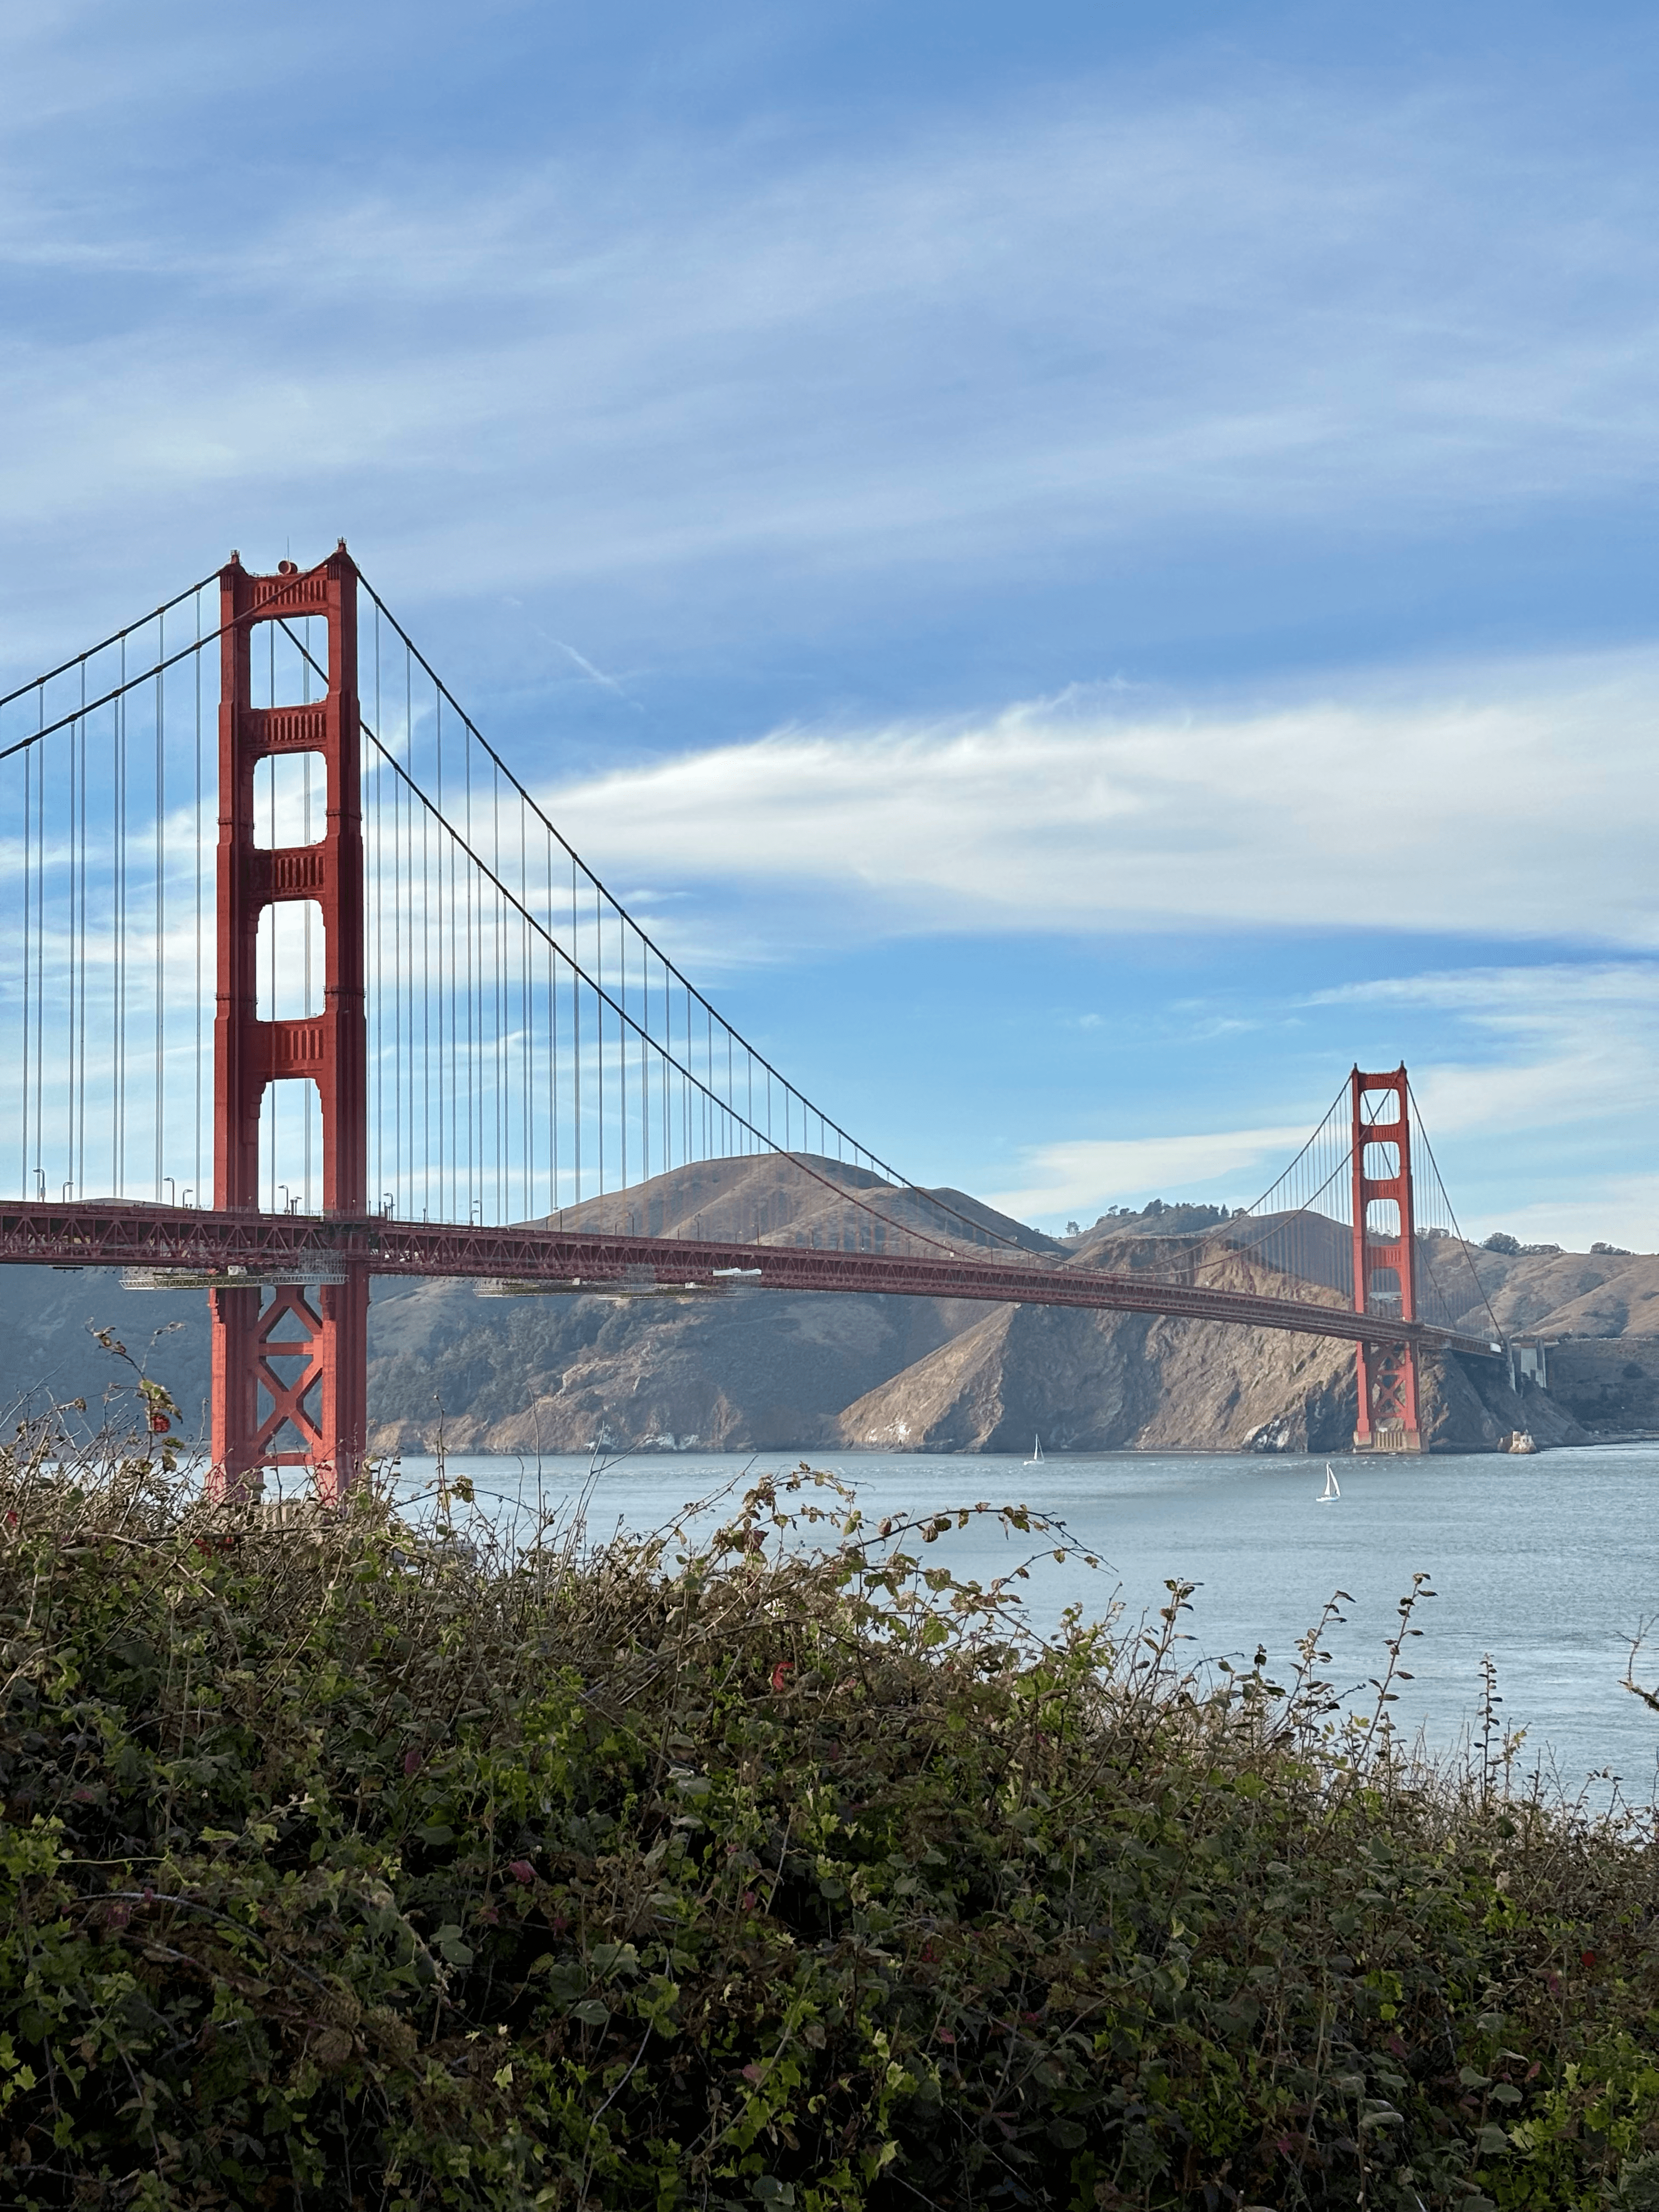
(274, 1248)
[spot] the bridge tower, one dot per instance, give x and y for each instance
(300, 1364)
(1384, 1258)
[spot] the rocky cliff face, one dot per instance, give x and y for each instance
(1101, 1382)
(755, 1370)
(1609, 1384)
(1097, 1382)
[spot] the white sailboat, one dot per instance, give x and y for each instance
(1332, 1488)
(1035, 1460)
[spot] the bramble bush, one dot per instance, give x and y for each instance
(348, 1864)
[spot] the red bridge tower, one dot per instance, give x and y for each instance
(319, 1330)
(1384, 1256)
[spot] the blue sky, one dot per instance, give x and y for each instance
(1087, 566)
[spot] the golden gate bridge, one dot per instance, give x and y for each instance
(301, 986)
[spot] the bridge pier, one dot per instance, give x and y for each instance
(265, 1415)
(1387, 1417)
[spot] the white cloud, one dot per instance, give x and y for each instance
(1539, 1097)
(1563, 1044)
(1515, 802)
(1085, 1175)
(1614, 1209)
(1535, 1086)
(978, 341)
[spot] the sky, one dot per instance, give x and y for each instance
(1090, 567)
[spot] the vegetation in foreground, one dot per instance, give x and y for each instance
(346, 1866)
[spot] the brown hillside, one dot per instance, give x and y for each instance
(763, 1371)
(793, 1198)
(1103, 1381)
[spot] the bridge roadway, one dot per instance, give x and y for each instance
(211, 1247)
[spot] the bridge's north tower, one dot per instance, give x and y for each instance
(1384, 1258)
(290, 1378)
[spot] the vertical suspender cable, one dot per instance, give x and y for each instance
(161, 903)
(598, 1018)
(311, 1006)
(197, 665)
(39, 963)
(474, 1104)
(376, 1124)
(499, 986)
(498, 1000)
(72, 1071)
(426, 1019)
(527, 1020)
(622, 1052)
(400, 916)
(644, 1065)
(26, 1183)
(444, 956)
(551, 1047)
(119, 802)
(80, 863)
(274, 1094)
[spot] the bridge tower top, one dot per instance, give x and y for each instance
(328, 1045)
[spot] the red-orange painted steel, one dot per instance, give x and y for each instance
(323, 1405)
(1386, 1366)
(100, 1235)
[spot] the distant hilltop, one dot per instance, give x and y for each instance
(765, 1370)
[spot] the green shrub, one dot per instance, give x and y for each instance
(349, 1867)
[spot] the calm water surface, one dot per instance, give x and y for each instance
(1549, 1563)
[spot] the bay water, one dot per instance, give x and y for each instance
(1549, 1563)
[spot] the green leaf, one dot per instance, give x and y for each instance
(452, 1947)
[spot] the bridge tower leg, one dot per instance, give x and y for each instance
(1384, 1258)
(300, 1363)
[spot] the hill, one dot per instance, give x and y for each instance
(763, 1371)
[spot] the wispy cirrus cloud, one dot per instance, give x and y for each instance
(1560, 1044)
(1513, 802)
(1534, 1083)
(952, 396)
(1083, 1175)
(1081, 316)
